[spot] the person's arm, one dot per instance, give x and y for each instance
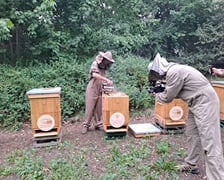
(174, 84)
(218, 72)
(98, 76)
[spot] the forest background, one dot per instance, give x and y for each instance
(51, 43)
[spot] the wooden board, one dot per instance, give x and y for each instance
(144, 129)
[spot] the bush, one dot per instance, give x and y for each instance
(129, 75)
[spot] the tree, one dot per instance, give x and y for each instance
(211, 36)
(32, 21)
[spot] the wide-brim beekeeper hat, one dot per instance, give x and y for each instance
(107, 55)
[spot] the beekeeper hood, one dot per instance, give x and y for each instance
(159, 65)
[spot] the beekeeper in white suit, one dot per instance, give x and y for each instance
(203, 123)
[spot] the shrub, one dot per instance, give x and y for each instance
(129, 75)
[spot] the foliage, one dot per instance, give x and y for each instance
(25, 165)
(113, 160)
(72, 168)
(129, 75)
(162, 147)
(13, 107)
(211, 37)
(51, 43)
(69, 75)
(5, 26)
(53, 29)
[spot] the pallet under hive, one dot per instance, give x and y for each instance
(46, 139)
(170, 129)
(115, 135)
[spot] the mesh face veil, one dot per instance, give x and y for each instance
(105, 64)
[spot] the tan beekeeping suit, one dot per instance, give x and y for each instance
(203, 123)
(93, 98)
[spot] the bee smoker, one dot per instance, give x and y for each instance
(106, 88)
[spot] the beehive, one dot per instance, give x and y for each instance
(45, 111)
(219, 88)
(115, 109)
(173, 113)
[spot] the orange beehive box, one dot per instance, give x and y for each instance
(219, 88)
(173, 113)
(45, 111)
(115, 109)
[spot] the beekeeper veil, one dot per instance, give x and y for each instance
(158, 67)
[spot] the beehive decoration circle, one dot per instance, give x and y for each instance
(45, 122)
(117, 119)
(176, 113)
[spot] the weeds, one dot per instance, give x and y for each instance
(162, 147)
(115, 161)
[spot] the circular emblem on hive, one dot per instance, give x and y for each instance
(117, 120)
(45, 122)
(176, 113)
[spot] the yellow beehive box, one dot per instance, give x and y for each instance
(45, 111)
(173, 113)
(219, 88)
(115, 109)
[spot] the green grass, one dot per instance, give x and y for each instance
(117, 160)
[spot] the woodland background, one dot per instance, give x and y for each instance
(49, 43)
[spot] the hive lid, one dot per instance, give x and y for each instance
(144, 128)
(217, 82)
(54, 90)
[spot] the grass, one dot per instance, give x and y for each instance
(116, 159)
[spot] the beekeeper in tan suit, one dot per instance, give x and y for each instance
(93, 99)
(203, 122)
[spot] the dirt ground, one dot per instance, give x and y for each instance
(9, 141)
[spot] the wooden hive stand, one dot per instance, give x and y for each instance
(170, 117)
(45, 115)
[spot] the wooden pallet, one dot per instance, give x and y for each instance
(115, 135)
(110, 129)
(170, 129)
(46, 140)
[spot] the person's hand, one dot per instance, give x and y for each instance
(109, 82)
(218, 72)
(153, 94)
